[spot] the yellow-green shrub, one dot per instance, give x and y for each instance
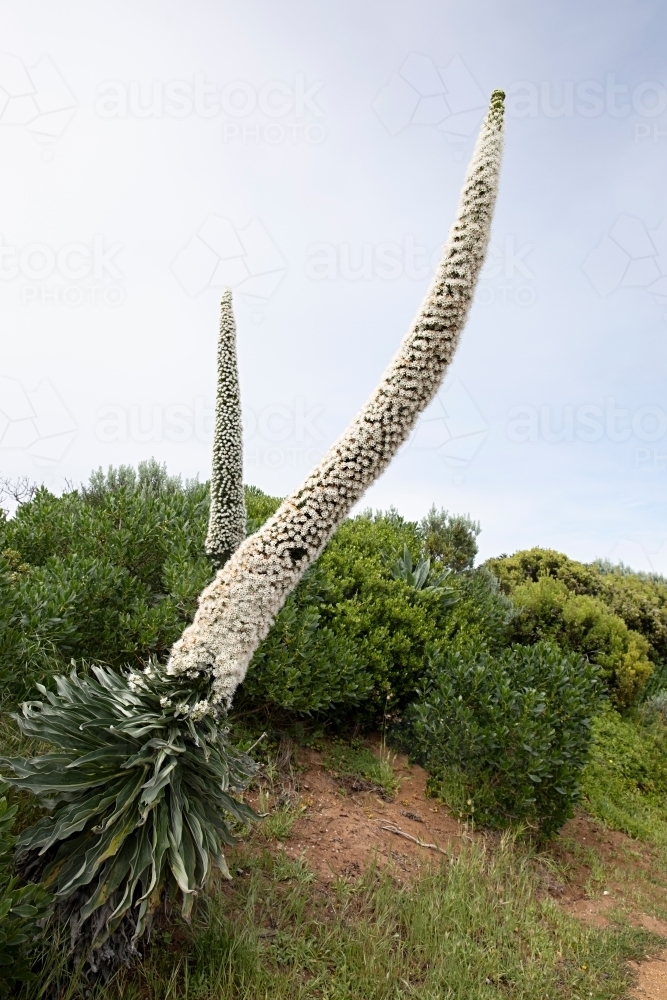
(583, 624)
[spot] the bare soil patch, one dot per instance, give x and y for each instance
(341, 829)
(597, 875)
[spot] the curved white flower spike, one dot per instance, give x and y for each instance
(238, 608)
(227, 517)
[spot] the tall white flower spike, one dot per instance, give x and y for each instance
(227, 517)
(238, 608)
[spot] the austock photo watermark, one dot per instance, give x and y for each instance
(642, 427)
(290, 434)
(275, 436)
(72, 274)
(448, 97)
(34, 422)
(272, 112)
(507, 277)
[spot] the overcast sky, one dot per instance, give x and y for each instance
(311, 155)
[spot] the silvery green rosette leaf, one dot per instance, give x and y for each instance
(138, 787)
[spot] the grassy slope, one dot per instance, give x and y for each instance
(475, 927)
(625, 783)
(478, 926)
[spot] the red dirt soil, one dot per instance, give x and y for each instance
(339, 832)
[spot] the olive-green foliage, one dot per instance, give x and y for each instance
(505, 736)
(625, 782)
(449, 539)
(110, 573)
(531, 564)
(640, 599)
(303, 665)
(548, 610)
(22, 911)
(611, 616)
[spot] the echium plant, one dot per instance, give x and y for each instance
(237, 609)
(137, 792)
(141, 772)
(227, 517)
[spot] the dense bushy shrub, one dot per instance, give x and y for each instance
(640, 600)
(532, 564)
(449, 539)
(304, 665)
(109, 573)
(614, 617)
(583, 624)
(22, 910)
(355, 631)
(390, 622)
(505, 736)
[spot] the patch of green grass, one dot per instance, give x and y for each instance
(625, 782)
(278, 824)
(475, 928)
(287, 869)
(356, 760)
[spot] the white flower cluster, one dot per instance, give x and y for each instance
(238, 608)
(227, 517)
(140, 681)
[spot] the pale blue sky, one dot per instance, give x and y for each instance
(312, 155)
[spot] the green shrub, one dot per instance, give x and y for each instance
(23, 909)
(354, 633)
(108, 574)
(638, 599)
(505, 736)
(583, 624)
(449, 539)
(390, 621)
(111, 574)
(532, 564)
(303, 665)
